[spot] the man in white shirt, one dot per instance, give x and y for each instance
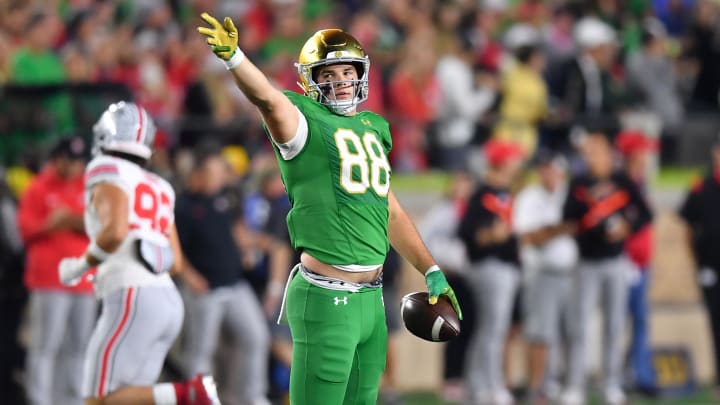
(464, 102)
(547, 264)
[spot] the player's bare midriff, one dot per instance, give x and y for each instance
(327, 270)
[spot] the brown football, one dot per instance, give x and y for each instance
(435, 323)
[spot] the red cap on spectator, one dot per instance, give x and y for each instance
(499, 152)
(631, 141)
(161, 140)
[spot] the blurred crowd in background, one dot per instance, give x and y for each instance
(448, 76)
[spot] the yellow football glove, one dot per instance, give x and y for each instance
(222, 38)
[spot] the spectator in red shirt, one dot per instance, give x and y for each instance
(413, 94)
(636, 148)
(50, 218)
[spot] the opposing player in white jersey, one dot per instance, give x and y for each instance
(134, 244)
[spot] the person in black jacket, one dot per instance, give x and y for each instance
(583, 85)
(602, 209)
(494, 274)
(702, 216)
(211, 230)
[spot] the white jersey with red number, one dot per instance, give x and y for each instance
(151, 204)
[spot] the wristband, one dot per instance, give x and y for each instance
(97, 252)
(237, 57)
(432, 269)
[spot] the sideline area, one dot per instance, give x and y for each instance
(677, 315)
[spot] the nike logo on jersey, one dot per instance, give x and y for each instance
(338, 300)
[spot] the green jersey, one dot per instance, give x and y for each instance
(338, 186)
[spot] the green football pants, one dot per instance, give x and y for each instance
(339, 344)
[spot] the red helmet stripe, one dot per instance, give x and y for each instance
(140, 127)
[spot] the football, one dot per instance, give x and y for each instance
(434, 323)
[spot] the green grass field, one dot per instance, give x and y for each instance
(702, 397)
(669, 178)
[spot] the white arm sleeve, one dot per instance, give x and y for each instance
(294, 146)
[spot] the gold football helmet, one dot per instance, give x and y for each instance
(329, 47)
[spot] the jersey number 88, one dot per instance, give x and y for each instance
(368, 156)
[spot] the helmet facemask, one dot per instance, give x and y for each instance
(333, 47)
(324, 93)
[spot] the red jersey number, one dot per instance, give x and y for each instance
(151, 207)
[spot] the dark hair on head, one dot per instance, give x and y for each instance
(35, 19)
(601, 125)
(573, 9)
(204, 151)
(76, 21)
(524, 53)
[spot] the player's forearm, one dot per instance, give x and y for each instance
(405, 238)
(256, 86)
(279, 114)
(110, 237)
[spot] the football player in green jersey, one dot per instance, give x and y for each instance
(344, 216)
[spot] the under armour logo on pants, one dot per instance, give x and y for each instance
(338, 300)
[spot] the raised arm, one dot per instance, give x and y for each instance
(279, 114)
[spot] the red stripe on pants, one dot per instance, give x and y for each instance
(113, 340)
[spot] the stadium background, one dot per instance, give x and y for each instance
(94, 52)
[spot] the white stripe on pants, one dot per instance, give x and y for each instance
(60, 323)
(494, 284)
(606, 279)
(237, 307)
